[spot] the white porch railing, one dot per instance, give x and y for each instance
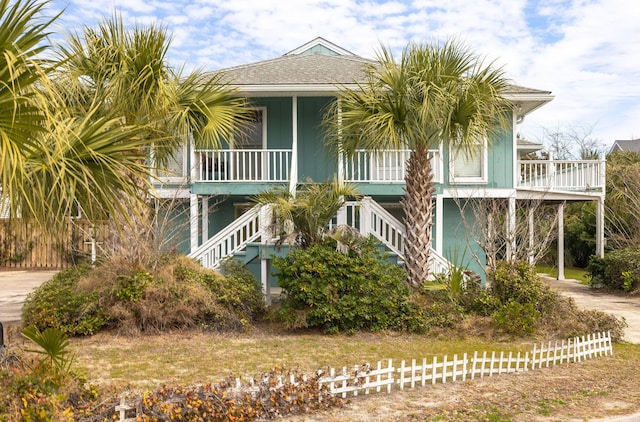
(233, 238)
(243, 165)
(563, 175)
(385, 166)
(369, 217)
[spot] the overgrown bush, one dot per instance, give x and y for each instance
(522, 305)
(334, 291)
(177, 294)
(618, 269)
(59, 303)
(515, 318)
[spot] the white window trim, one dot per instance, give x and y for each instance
(484, 167)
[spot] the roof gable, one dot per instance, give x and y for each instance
(321, 46)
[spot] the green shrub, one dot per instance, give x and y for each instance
(484, 303)
(516, 282)
(60, 303)
(618, 269)
(336, 292)
(179, 293)
(521, 299)
(132, 287)
(515, 318)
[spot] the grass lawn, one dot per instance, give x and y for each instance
(579, 274)
(592, 388)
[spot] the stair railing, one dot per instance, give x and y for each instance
(377, 221)
(233, 238)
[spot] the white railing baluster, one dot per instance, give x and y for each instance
(562, 175)
(230, 240)
(389, 166)
(237, 165)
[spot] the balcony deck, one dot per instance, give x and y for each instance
(263, 166)
(563, 175)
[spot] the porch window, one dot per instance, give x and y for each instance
(248, 163)
(469, 165)
(176, 168)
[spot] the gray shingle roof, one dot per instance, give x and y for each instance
(304, 69)
(631, 145)
(308, 69)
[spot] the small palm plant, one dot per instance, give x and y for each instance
(307, 213)
(54, 344)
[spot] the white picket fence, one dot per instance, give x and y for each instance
(385, 376)
(365, 379)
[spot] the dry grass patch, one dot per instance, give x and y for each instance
(588, 390)
(192, 356)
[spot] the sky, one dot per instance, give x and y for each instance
(586, 52)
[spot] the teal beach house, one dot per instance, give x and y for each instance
(213, 216)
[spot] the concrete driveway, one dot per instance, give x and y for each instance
(14, 288)
(587, 298)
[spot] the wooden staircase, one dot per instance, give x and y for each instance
(246, 238)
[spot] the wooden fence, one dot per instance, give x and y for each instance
(23, 245)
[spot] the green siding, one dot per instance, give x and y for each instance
(279, 121)
(173, 226)
(499, 161)
(220, 215)
(313, 156)
(459, 247)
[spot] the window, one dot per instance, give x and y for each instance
(176, 166)
(247, 163)
(253, 136)
(469, 165)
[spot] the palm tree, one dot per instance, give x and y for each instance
(310, 210)
(126, 72)
(126, 69)
(436, 94)
(21, 40)
(48, 159)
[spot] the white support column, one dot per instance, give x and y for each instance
(600, 227)
(511, 229)
(340, 151)
(365, 216)
(341, 219)
(561, 241)
(531, 236)
(293, 180)
(205, 218)
(193, 221)
(439, 224)
(193, 198)
(265, 237)
(266, 282)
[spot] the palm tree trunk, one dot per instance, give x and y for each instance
(417, 206)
